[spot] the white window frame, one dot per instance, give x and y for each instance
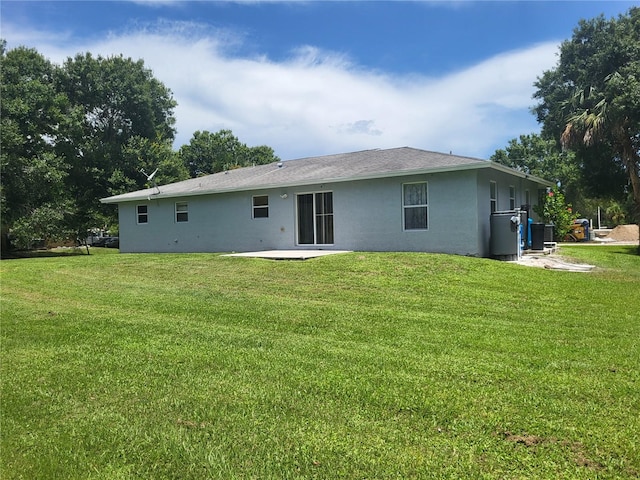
(139, 215)
(512, 197)
(179, 213)
(493, 196)
(256, 208)
(422, 205)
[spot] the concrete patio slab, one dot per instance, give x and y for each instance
(287, 254)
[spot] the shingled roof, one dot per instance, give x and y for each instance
(342, 167)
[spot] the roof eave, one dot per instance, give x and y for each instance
(528, 176)
(151, 196)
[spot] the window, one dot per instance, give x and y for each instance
(182, 212)
(142, 212)
(415, 206)
(493, 196)
(261, 206)
(512, 197)
(527, 198)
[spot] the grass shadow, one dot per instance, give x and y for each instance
(22, 254)
(629, 250)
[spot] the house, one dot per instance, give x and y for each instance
(399, 199)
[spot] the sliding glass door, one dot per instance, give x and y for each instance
(315, 218)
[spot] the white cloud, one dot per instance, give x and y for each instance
(319, 102)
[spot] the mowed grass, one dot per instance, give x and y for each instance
(363, 365)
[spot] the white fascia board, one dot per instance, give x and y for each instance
(533, 178)
(128, 197)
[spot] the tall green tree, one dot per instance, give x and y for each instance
(590, 102)
(112, 101)
(208, 153)
(91, 128)
(33, 175)
(75, 133)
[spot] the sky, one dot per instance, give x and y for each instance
(315, 78)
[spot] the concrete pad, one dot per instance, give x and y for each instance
(287, 254)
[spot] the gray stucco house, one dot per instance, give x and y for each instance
(400, 199)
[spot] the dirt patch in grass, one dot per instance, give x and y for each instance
(582, 461)
(524, 439)
(577, 449)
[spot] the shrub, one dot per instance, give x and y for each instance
(554, 210)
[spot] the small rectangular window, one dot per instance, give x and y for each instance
(512, 197)
(261, 206)
(493, 196)
(415, 206)
(527, 197)
(142, 212)
(182, 212)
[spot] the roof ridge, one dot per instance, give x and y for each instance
(333, 154)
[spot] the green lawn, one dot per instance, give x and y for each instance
(364, 365)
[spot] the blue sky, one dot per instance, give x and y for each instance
(313, 78)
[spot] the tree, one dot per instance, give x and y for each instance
(149, 155)
(590, 102)
(541, 157)
(260, 155)
(112, 101)
(32, 173)
(89, 129)
(586, 184)
(76, 133)
(46, 222)
(208, 153)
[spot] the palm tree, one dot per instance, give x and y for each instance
(594, 118)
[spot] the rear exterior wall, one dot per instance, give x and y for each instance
(367, 216)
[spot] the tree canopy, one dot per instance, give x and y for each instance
(115, 104)
(74, 133)
(208, 153)
(88, 129)
(34, 175)
(590, 102)
(588, 184)
(537, 156)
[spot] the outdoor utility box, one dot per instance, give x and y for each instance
(548, 232)
(505, 235)
(537, 236)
